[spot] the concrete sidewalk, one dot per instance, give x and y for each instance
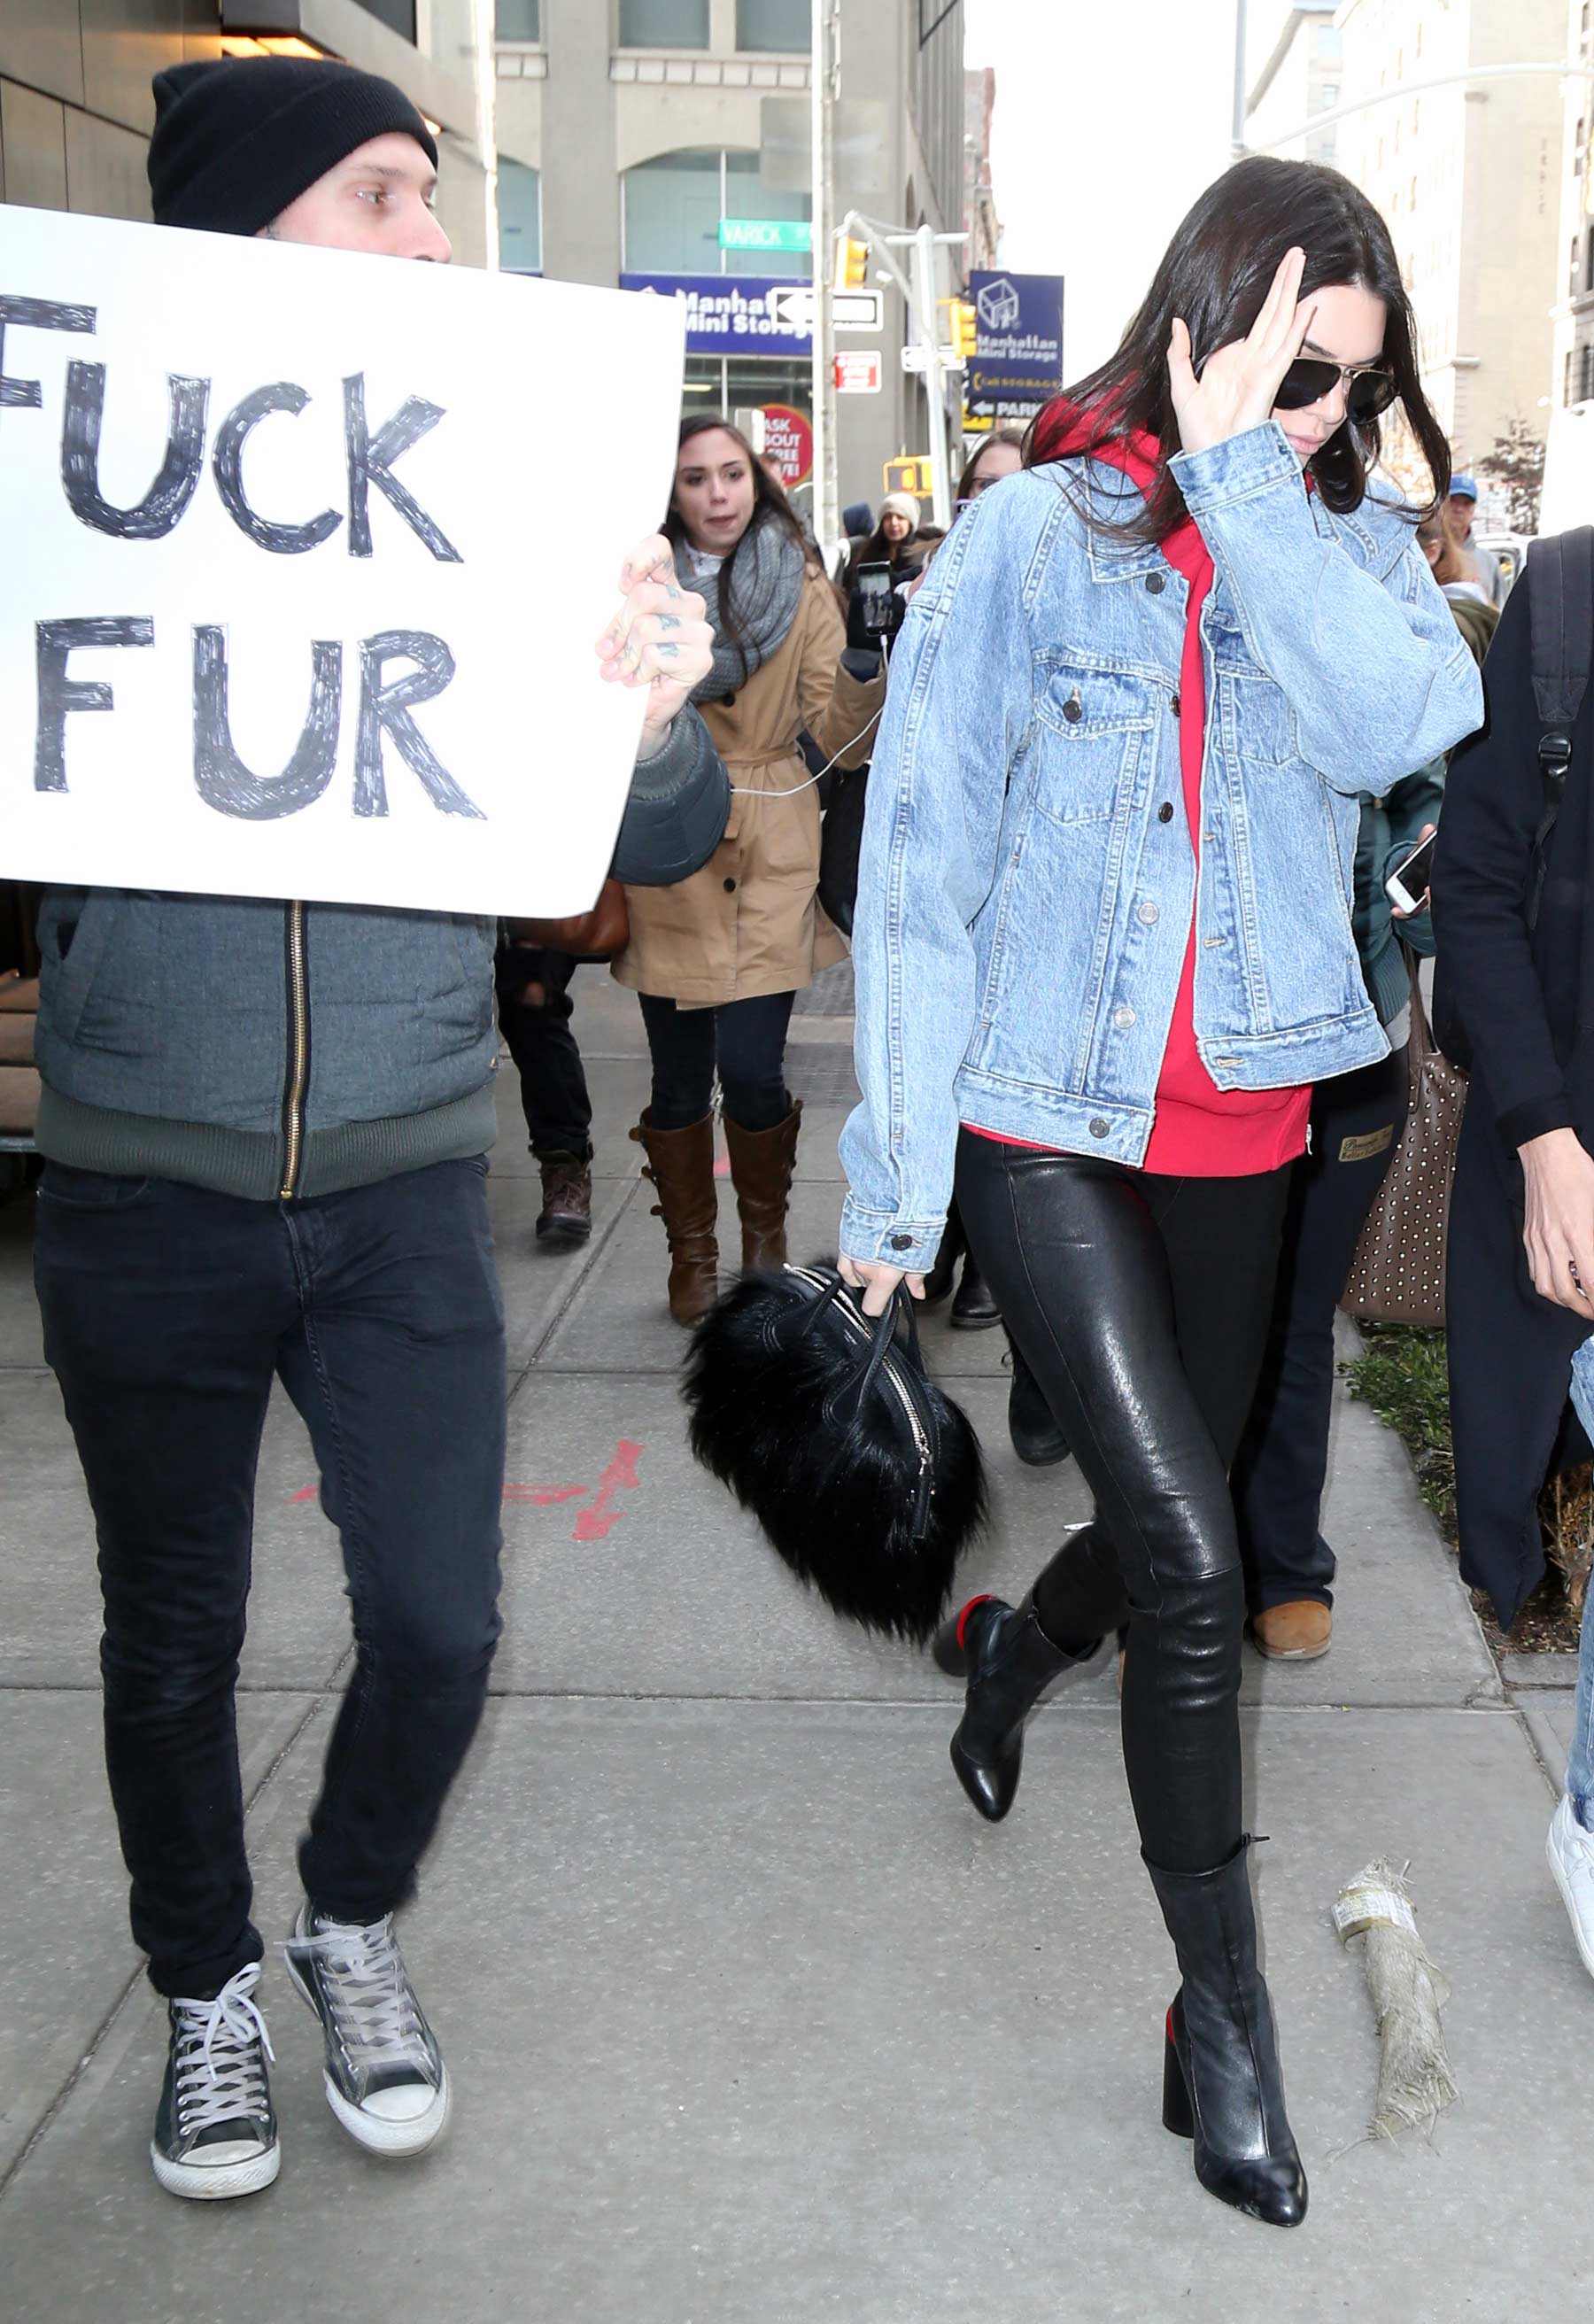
(750, 2016)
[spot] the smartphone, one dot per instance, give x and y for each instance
(1407, 884)
(874, 590)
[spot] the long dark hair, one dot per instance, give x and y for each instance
(1215, 273)
(878, 550)
(769, 506)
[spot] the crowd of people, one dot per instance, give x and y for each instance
(1150, 731)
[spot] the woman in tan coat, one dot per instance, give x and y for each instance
(719, 958)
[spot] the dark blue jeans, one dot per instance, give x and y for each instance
(167, 1312)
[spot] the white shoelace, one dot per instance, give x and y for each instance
(377, 2016)
(218, 2073)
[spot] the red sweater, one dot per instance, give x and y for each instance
(1199, 1131)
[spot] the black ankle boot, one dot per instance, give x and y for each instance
(1221, 2084)
(1037, 1440)
(1010, 1663)
(974, 1307)
(938, 1281)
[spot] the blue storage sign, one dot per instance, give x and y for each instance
(736, 313)
(1017, 365)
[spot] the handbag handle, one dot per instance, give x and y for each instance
(900, 1303)
(1422, 1038)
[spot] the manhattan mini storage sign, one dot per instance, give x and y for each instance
(299, 600)
(1017, 365)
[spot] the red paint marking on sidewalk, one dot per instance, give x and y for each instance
(594, 1523)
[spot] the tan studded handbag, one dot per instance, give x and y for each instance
(1397, 1275)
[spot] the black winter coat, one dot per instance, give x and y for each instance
(1520, 995)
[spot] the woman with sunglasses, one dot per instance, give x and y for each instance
(1104, 948)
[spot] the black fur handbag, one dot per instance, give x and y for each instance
(868, 1480)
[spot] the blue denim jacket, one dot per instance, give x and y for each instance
(1027, 879)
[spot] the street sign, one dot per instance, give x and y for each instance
(857, 372)
(910, 475)
(766, 234)
(788, 437)
(1017, 363)
(850, 310)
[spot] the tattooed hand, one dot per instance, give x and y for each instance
(658, 639)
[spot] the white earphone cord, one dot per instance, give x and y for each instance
(747, 791)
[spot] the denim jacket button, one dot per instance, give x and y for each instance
(1174, 703)
(1123, 1018)
(1164, 813)
(1148, 913)
(1098, 1128)
(1073, 709)
(901, 1242)
(1157, 583)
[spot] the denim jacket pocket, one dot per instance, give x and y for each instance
(1091, 721)
(1257, 723)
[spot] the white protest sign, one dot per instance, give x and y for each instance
(307, 556)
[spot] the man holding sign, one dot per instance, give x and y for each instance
(265, 1127)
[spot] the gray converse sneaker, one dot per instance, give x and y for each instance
(216, 2131)
(386, 2081)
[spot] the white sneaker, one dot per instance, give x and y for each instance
(216, 2133)
(385, 2078)
(1570, 1849)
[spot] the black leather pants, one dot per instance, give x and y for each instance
(1141, 1305)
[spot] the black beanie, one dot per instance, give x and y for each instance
(238, 138)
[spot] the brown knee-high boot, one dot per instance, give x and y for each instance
(761, 1164)
(680, 1164)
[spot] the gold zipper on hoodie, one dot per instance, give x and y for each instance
(299, 1052)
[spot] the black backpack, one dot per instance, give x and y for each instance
(1560, 610)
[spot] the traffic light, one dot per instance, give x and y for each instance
(851, 263)
(965, 328)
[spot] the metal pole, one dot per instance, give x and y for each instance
(1237, 144)
(487, 123)
(825, 67)
(935, 376)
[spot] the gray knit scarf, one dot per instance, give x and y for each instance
(767, 582)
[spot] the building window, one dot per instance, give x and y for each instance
(519, 20)
(1566, 379)
(1572, 269)
(664, 23)
(398, 15)
(1589, 263)
(672, 207)
(1577, 151)
(784, 26)
(519, 216)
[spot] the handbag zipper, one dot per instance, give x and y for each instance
(925, 1490)
(299, 1053)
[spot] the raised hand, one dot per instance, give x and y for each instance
(658, 639)
(1239, 384)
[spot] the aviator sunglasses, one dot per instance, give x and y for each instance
(1367, 389)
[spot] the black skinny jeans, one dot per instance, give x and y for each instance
(167, 1310)
(554, 1095)
(746, 1039)
(1141, 1306)
(1282, 1465)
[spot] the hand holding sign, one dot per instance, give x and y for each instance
(660, 639)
